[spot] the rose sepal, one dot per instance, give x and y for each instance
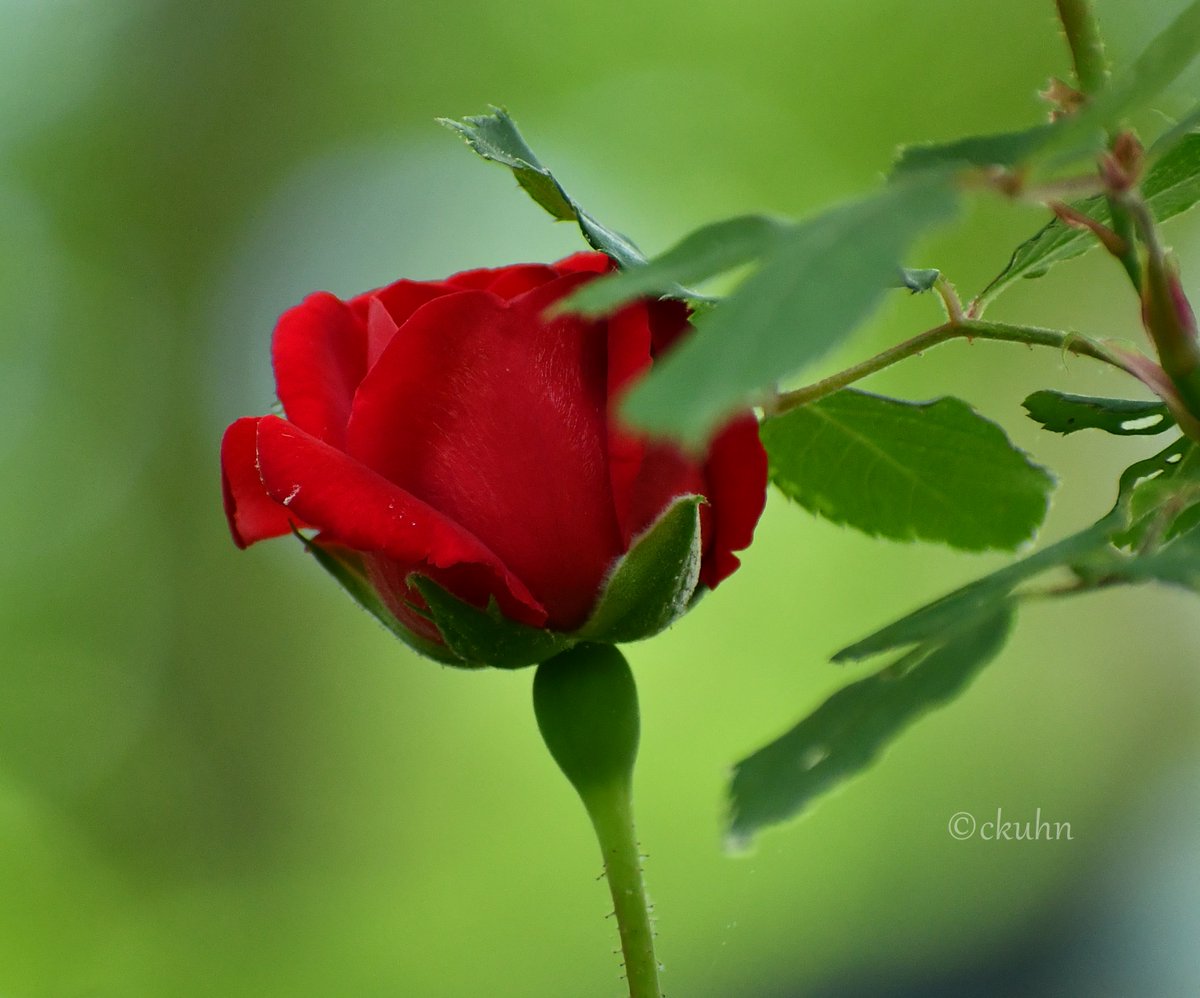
(648, 588)
(651, 585)
(346, 567)
(486, 637)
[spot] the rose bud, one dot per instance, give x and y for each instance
(458, 454)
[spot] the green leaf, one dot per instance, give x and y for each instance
(1003, 149)
(979, 598)
(487, 637)
(1171, 187)
(918, 281)
(1177, 133)
(934, 471)
(346, 567)
(854, 726)
(1166, 504)
(707, 252)
(652, 584)
(823, 278)
(1063, 413)
(1176, 563)
(495, 137)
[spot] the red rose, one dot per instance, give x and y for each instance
(450, 430)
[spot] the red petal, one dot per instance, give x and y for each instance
(319, 353)
(736, 487)
(253, 515)
(505, 282)
(646, 475)
(389, 308)
(585, 263)
(356, 508)
(496, 418)
(668, 321)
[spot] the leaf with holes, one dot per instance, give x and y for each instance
(1063, 413)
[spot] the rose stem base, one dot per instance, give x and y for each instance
(586, 706)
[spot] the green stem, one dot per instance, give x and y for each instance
(969, 329)
(611, 811)
(1122, 225)
(585, 700)
(1091, 73)
(1087, 47)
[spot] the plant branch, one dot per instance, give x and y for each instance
(1091, 73)
(1087, 47)
(968, 329)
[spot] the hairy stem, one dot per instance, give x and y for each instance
(611, 811)
(1087, 48)
(969, 329)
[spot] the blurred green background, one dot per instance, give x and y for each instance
(218, 777)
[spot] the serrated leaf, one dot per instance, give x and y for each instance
(1063, 413)
(495, 137)
(487, 637)
(855, 725)
(709, 251)
(346, 568)
(822, 279)
(933, 471)
(651, 586)
(1171, 187)
(979, 598)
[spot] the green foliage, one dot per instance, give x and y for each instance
(824, 277)
(1004, 149)
(1079, 134)
(1176, 563)
(1168, 54)
(1171, 187)
(918, 281)
(495, 137)
(1179, 131)
(1166, 504)
(854, 726)
(1063, 413)
(707, 252)
(934, 471)
(950, 639)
